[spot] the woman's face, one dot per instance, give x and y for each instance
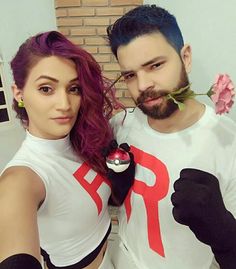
(52, 97)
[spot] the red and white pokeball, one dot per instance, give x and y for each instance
(118, 160)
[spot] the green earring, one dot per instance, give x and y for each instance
(21, 103)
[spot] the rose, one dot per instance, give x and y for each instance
(221, 93)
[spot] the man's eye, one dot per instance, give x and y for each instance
(75, 90)
(128, 77)
(157, 65)
(45, 89)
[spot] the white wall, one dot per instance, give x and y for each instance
(209, 27)
(18, 21)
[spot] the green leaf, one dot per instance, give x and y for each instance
(210, 92)
(181, 106)
(179, 91)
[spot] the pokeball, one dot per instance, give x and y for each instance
(118, 160)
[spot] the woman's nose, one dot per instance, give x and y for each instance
(63, 102)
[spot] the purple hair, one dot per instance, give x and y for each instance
(91, 132)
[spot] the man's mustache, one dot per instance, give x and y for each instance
(150, 97)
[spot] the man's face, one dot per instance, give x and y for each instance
(152, 69)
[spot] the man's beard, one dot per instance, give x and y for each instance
(167, 107)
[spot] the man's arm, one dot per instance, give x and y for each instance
(198, 203)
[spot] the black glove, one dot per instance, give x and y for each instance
(20, 261)
(198, 203)
(120, 182)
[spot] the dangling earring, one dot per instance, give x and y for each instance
(21, 103)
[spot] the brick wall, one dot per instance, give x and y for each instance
(84, 22)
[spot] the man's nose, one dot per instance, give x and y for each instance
(145, 81)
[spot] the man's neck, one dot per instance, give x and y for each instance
(179, 120)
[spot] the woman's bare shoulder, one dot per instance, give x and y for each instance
(21, 180)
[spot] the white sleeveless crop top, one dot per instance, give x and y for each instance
(74, 217)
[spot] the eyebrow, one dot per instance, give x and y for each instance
(159, 58)
(54, 79)
(153, 60)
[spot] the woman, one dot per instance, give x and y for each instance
(53, 194)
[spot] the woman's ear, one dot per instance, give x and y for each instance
(186, 56)
(17, 93)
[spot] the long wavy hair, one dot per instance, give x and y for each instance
(91, 132)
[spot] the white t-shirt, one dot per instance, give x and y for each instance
(147, 227)
(73, 218)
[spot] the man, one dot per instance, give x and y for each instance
(175, 216)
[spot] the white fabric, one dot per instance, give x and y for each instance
(121, 256)
(72, 220)
(106, 262)
(209, 145)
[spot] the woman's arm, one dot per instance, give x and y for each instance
(21, 192)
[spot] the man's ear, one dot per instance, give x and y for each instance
(17, 93)
(186, 56)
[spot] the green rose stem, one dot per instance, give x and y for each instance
(182, 94)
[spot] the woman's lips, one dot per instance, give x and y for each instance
(62, 120)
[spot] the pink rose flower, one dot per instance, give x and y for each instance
(222, 93)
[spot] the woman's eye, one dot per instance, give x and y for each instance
(75, 90)
(45, 89)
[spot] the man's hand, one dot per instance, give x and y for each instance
(121, 182)
(198, 203)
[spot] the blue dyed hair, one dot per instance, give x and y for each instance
(144, 19)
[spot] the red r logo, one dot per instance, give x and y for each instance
(92, 187)
(151, 195)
